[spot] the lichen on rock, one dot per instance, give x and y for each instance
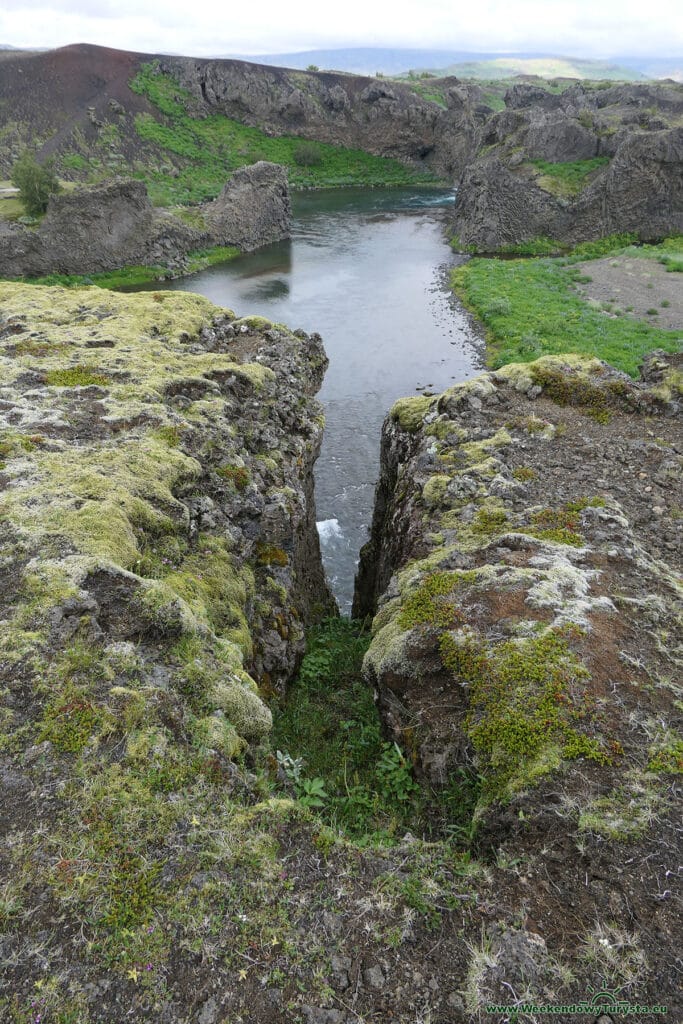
(489, 569)
(118, 520)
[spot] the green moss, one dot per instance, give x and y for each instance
(524, 474)
(72, 720)
(490, 521)
(215, 590)
(434, 490)
(238, 476)
(522, 699)
(558, 535)
(270, 554)
(75, 376)
(426, 605)
(171, 435)
(476, 452)
(409, 412)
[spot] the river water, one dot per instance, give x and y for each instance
(368, 270)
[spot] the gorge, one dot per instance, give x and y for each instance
(220, 800)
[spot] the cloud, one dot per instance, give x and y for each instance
(578, 27)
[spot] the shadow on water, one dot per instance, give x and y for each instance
(368, 270)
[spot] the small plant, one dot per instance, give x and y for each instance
(395, 774)
(292, 767)
(311, 792)
(307, 154)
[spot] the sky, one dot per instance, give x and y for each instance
(588, 28)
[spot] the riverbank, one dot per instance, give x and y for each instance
(530, 307)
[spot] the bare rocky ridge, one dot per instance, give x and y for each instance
(522, 568)
(112, 225)
(504, 200)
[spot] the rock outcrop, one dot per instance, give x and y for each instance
(253, 208)
(112, 225)
(511, 194)
(157, 453)
(522, 576)
(387, 118)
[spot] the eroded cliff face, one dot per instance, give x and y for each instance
(522, 576)
(634, 135)
(156, 463)
(112, 225)
(386, 118)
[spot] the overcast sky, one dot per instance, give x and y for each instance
(591, 28)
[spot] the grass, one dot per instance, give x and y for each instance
(329, 733)
(529, 308)
(568, 178)
(205, 150)
(134, 276)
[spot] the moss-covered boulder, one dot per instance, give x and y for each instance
(522, 577)
(151, 452)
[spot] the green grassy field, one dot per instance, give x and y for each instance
(530, 308)
(205, 150)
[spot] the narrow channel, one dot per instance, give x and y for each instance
(368, 270)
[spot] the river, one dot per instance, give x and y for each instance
(368, 270)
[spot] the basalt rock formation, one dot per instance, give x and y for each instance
(158, 453)
(112, 225)
(387, 118)
(509, 194)
(522, 577)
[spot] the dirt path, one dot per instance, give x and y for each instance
(640, 288)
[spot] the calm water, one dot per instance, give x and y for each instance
(367, 270)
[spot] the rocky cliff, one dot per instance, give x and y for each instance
(575, 166)
(522, 576)
(386, 118)
(112, 225)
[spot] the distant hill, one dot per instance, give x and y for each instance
(487, 65)
(543, 67)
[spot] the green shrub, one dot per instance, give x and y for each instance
(307, 154)
(36, 183)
